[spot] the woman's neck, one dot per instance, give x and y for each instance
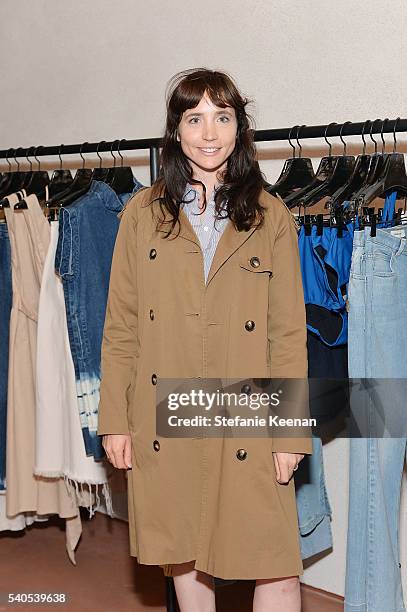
(209, 179)
(209, 186)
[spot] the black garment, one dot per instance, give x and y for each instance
(328, 374)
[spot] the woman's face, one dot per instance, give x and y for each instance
(207, 134)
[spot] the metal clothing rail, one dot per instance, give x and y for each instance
(348, 128)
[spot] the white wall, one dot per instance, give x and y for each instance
(86, 71)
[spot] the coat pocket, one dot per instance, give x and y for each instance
(257, 263)
(130, 394)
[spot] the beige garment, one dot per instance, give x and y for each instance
(213, 500)
(29, 233)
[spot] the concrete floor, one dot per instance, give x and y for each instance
(106, 578)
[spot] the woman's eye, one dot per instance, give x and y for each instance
(193, 120)
(224, 118)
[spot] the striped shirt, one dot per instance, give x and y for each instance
(207, 228)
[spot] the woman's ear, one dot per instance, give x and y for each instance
(177, 136)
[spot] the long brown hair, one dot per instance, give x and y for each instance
(242, 180)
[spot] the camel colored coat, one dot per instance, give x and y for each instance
(196, 498)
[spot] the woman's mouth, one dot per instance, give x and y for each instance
(209, 150)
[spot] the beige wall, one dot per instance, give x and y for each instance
(74, 71)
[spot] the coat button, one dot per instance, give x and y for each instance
(249, 325)
(246, 389)
(152, 315)
(241, 454)
(156, 445)
(254, 262)
(153, 254)
(154, 379)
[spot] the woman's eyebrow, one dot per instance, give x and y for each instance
(221, 112)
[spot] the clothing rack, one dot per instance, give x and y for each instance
(299, 133)
(348, 128)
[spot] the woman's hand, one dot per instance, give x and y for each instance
(118, 450)
(286, 464)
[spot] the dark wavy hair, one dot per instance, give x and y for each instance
(242, 180)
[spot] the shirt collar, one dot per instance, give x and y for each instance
(191, 194)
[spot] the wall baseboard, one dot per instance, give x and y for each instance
(317, 600)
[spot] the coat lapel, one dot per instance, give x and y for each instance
(229, 242)
(186, 230)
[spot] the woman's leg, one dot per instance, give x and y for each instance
(195, 590)
(276, 594)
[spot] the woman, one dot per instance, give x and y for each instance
(222, 300)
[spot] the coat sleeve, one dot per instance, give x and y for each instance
(287, 326)
(120, 334)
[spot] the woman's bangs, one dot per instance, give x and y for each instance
(192, 91)
(220, 96)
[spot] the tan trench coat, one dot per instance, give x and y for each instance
(193, 498)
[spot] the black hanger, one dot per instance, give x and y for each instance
(25, 175)
(339, 172)
(356, 179)
(100, 174)
(6, 176)
(376, 165)
(120, 178)
(4, 181)
(392, 176)
(38, 180)
(37, 184)
(327, 169)
(297, 171)
(79, 186)
(61, 179)
(14, 179)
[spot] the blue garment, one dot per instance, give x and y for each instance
(313, 508)
(325, 265)
(87, 234)
(323, 272)
(388, 211)
(377, 349)
(5, 309)
(325, 364)
(207, 228)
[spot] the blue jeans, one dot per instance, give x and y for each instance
(313, 509)
(377, 349)
(87, 234)
(5, 308)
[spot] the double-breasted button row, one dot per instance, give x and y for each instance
(153, 254)
(249, 325)
(156, 445)
(241, 454)
(154, 379)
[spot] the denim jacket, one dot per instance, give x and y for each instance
(87, 234)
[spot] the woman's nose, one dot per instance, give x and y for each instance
(209, 131)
